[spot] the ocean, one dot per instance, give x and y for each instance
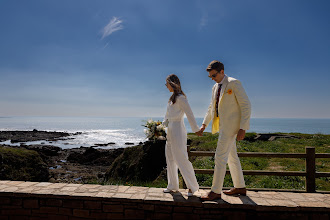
(101, 130)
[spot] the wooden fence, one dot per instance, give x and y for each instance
(309, 155)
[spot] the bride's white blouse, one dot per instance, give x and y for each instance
(176, 111)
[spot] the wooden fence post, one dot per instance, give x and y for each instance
(188, 151)
(310, 169)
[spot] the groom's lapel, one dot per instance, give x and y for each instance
(215, 93)
(223, 88)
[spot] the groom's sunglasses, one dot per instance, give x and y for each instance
(214, 75)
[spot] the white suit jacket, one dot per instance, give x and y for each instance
(234, 107)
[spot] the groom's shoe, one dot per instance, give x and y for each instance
(235, 191)
(211, 196)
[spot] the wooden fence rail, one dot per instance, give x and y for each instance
(309, 155)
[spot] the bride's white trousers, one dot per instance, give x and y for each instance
(177, 157)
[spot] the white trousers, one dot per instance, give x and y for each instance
(226, 152)
(177, 158)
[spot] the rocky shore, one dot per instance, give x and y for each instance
(35, 135)
(78, 165)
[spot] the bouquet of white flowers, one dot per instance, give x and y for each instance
(155, 130)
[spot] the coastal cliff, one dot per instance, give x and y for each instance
(143, 162)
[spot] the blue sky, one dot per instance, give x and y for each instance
(111, 58)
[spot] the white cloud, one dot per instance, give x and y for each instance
(113, 26)
(204, 20)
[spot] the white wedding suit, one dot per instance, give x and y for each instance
(234, 114)
(176, 145)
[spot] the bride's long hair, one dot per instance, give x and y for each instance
(174, 82)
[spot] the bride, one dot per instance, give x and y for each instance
(176, 145)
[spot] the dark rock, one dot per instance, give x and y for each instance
(111, 143)
(143, 162)
(92, 156)
(35, 135)
(101, 145)
(272, 137)
(129, 143)
(47, 150)
(250, 137)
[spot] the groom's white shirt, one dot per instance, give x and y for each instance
(234, 106)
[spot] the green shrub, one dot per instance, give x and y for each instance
(21, 164)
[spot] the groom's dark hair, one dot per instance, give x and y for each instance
(215, 65)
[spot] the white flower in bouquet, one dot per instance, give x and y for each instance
(146, 131)
(155, 130)
(161, 138)
(160, 127)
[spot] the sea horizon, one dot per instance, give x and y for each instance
(119, 129)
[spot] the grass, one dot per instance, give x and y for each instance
(22, 164)
(320, 142)
(208, 142)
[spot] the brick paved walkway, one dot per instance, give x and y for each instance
(259, 201)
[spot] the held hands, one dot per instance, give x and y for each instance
(200, 132)
(240, 134)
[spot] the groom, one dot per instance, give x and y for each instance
(230, 111)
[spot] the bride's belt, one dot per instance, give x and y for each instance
(179, 119)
